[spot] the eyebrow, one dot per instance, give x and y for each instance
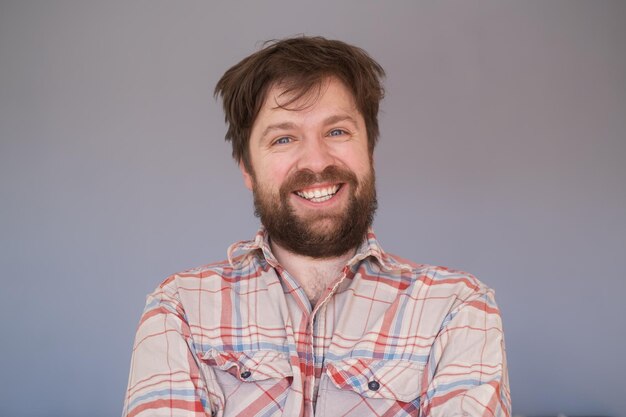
(339, 118)
(278, 126)
(289, 125)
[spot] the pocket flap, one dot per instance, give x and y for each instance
(250, 366)
(391, 379)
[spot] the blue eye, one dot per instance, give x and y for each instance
(282, 141)
(337, 132)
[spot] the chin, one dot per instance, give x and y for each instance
(322, 226)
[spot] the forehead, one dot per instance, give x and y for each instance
(330, 95)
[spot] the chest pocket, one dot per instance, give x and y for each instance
(364, 386)
(254, 367)
(245, 378)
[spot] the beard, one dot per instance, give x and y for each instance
(318, 235)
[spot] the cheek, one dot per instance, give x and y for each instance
(274, 176)
(360, 162)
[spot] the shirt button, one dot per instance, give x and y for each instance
(246, 374)
(373, 385)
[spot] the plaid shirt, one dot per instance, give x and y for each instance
(239, 338)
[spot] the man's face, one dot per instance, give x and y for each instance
(312, 174)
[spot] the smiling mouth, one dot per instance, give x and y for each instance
(319, 195)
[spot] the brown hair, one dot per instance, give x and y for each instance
(299, 64)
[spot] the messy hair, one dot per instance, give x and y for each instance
(299, 65)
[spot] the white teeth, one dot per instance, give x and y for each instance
(319, 194)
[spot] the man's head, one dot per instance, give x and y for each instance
(300, 65)
(302, 117)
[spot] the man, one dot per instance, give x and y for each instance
(312, 317)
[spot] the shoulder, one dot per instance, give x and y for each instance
(451, 293)
(183, 293)
(193, 279)
(441, 280)
(210, 279)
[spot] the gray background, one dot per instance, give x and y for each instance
(503, 139)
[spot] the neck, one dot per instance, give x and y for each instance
(313, 274)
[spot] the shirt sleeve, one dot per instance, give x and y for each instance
(466, 374)
(165, 377)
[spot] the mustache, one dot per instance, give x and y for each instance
(306, 177)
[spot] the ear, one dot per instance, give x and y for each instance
(247, 177)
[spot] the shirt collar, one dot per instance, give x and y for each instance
(239, 252)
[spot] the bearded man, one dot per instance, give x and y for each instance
(312, 317)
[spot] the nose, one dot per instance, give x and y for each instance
(316, 155)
